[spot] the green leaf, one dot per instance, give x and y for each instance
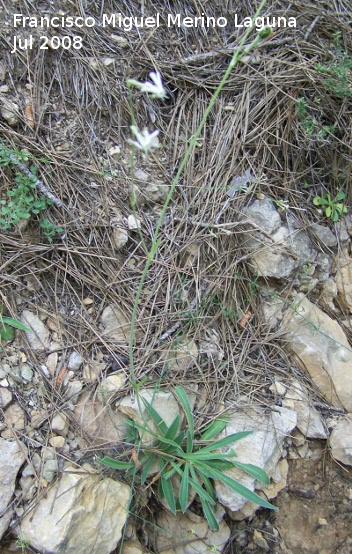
(210, 517)
(168, 493)
(318, 201)
(173, 429)
(202, 493)
(15, 323)
(241, 489)
(225, 441)
(215, 428)
(159, 422)
(339, 196)
(254, 471)
(184, 489)
(110, 462)
(328, 211)
(183, 398)
(150, 457)
(7, 333)
(221, 465)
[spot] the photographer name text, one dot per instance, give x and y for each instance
(127, 24)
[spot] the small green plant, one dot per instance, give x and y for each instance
(334, 208)
(310, 125)
(337, 72)
(7, 326)
(22, 201)
(195, 461)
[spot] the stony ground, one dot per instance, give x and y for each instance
(243, 249)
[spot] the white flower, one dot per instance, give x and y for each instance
(155, 89)
(144, 140)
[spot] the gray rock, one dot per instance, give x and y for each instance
(80, 513)
(38, 338)
(12, 456)
(324, 235)
(341, 440)
(309, 421)
(174, 534)
(75, 361)
(115, 324)
(264, 215)
(323, 348)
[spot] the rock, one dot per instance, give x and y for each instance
(115, 324)
(51, 363)
(275, 250)
(12, 456)
(110, 385)
(50, 468)
(101, 423)
(263, 448)
(75, 361)
(329, 293)
(156, 193)
(60, 424)
(10, 112)
(38, 338)
(26, 373)
(72, 391)
(324, 234)
(80, 513)
(264, 215)
(133, 222)
(119, 237)
(323, 348)
(14, 419)
(309, 421)
(344, 282)
(57, 442)
(341, 440)
(5, 398)
(189, 533)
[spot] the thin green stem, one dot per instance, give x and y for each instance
(236, 57)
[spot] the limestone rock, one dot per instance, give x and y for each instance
(80, 513)
(110, 385)
(275, 250)
(10, 112)
(344, 282)
(323, 348)
(262, 448)
(60, 424)
(119, 237)
(12, 456)
(178, 534)
(38, 338)
(100, 422)
(341, 440)
(309, 421)
(75, 361)
(115, 324)
(264, 215)
(324, 235)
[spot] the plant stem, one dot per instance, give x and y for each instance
(156, 242)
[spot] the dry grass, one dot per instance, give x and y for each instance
(81, 110)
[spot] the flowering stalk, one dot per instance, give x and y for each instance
(238, 54)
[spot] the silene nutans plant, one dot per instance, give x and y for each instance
(185, 460)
